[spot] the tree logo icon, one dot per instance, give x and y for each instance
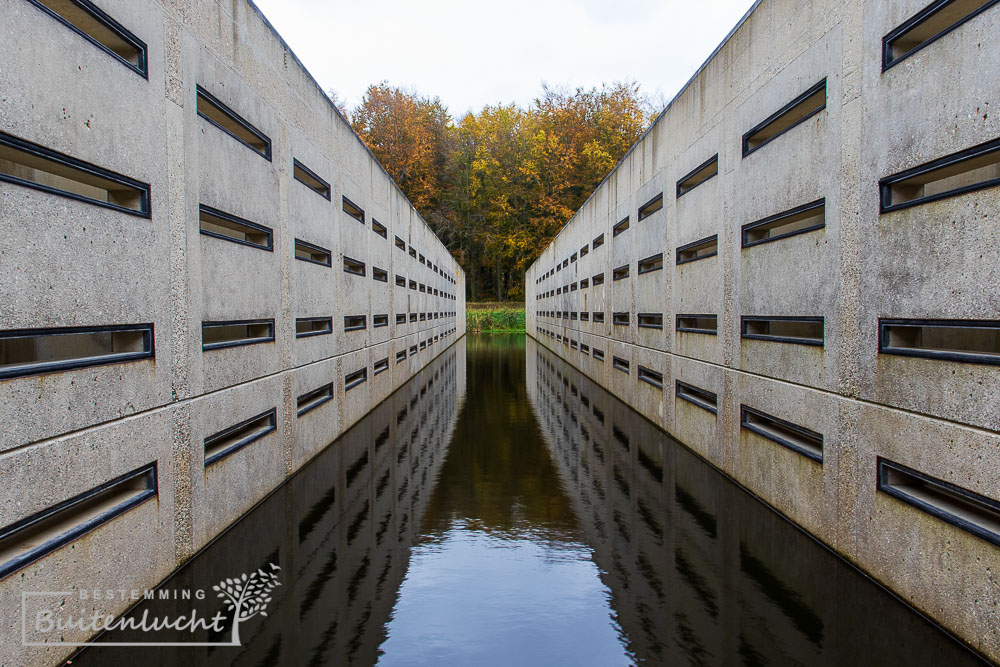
(247, 596)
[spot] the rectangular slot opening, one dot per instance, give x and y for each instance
(32, 538)
(380, 321)
(234, 438)
(598, 354)
(585, 283)
(313, 399)
(650, 207)
(35, 351)
(400, 281)
(650, 320)
(401, 356)
(584, 251)
(380, 275)
(573, 344)
(966, 171)
(650, 264)
(598, 279)
(413, 350)
(313, 326)
(797, 438)
(620, 273)
(413, 317)
(228, 227)
(216, 335)
(572, 315)
(353, 210)
(620, 364)
(227, 120)
(98, 28)
(400, 243)
(798, 220)
(800, 330)
(598, 242)
(970, 341)
(413, 252)
(422, 287)
(706, 400)
(960, 507)
(619, 228)
(619, 319)
(698, 175)
(649, 376)
(584, 348)
(401, 319)
(799, 110)
(413, 285)
(308, 178)
(354, 322)
(572, 257)
(703, 324)
(379, 229)
(423, 345)
(353, 266)
(308, 252)
(584, 316)
(352, 380)
(929, 24)
(34, 166)
(423, 317)
(380, 365)
(707, 247)
(598, 316)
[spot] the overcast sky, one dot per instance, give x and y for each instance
(472, 53)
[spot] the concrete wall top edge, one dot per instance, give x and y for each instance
(260, 14)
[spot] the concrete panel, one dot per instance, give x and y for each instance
(926, 262)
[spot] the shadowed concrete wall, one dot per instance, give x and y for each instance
(863, 261)
(68, 262)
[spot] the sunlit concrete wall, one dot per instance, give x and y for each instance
(933, 261)
(66, 262)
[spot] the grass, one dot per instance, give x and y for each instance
(494, 317)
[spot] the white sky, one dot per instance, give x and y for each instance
(472, 53)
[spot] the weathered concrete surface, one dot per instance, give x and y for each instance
(933, 261)
(70, 263)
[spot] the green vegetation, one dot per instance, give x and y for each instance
(494, 317)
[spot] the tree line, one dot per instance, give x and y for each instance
(497, 185)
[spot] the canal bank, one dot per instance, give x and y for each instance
(502, 508)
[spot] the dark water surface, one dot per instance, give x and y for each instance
(503, 509)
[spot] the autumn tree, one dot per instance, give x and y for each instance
(498, 185)
(408, 135)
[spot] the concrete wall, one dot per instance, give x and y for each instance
(71, 263)
(341, 530)
(933, 261)
(693, 561)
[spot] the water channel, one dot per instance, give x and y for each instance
(503, 509)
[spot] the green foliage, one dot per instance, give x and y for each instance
(494, 318)
(497, 186)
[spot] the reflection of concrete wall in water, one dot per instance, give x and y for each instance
(341, 530)
(696, 567)
(201, 179)
(807, 231)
